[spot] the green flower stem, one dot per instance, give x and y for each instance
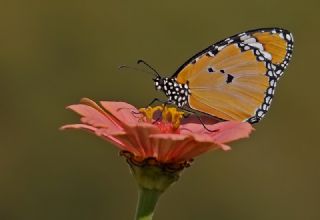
(147, 202)
(153, 180)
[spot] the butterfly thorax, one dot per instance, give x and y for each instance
(177, 93)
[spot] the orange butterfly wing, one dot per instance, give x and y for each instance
(235, 79)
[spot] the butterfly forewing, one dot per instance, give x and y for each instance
(235, 78)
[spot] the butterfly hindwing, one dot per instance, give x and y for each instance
(235, 79)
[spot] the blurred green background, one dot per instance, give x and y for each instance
(52, 53)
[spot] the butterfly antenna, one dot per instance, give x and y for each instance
(149, 66)
(135, 69)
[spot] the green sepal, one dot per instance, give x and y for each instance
(154, 177)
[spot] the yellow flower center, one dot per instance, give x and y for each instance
(169, 114)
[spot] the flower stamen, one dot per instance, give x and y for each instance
(150, 111)
(169, 114)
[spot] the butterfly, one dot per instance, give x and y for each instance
(233, 79)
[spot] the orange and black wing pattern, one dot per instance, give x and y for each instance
(235, 79)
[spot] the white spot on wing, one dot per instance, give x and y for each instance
(272, 82)
(264, 107)
(291, 36)
(279, 71)
(281, 35)
(260, 113)
(250, 40)
(288, 37)
(257, 45)
(244, 37)
(268, 99)
(266, 55)
(221, 47)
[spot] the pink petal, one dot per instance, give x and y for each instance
(224, 147)
(119, 125)
(178, 147)
(195, 149)
(92, 116)
(231, 130)
(138, 137)
(223, 132)
(78, 126)
(124, 112)
(165, 145)
(103, 133)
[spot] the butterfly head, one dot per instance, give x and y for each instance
(159, 82)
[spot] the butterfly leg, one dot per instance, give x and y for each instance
(199, 118)
(153, 101)
(186, 115)
(165, 103)
(158, 100)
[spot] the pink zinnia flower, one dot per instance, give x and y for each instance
(170, 140)
(158, 142)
